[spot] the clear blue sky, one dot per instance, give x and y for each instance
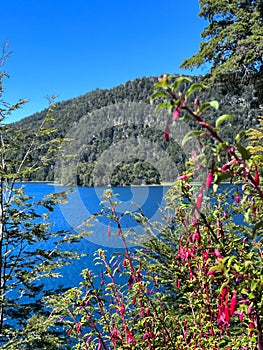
(71, 47)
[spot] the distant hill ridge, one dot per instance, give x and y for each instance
(68, 113)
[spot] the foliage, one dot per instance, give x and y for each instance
(197, 282)
(30, 251)
(232, 42)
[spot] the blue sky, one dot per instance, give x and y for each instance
(69, 48)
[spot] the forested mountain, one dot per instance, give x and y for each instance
(116, 138)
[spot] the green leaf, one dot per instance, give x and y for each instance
(221, 177)
(158, 94)
(166, 104)
(244, 152)
(240, 135)
(214, 104)
(222, 118)
(258, 226)
(179, 80)
(193, 88)
(190, 134)
(254, 285)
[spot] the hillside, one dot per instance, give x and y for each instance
(116, 138)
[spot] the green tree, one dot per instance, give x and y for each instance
(24, 231)
(232, 42)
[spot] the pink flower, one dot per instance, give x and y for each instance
(250, 326)
(182, 177)
(176, 113)
(200, 198)
(109, 231)
(129, 337)
(233, 302)
(223, 293)
(122, 309)
(204, 124)
(256, 178)
(209, 180)
(196, 102)
(227, 314)
(145, 336)
(237, 199)
(78, 327)
(217, 254)
(250, 308)
(211, 272)
(228, 165)
(166, 136)
(241, 316)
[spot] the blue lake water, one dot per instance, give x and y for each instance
(84, 202)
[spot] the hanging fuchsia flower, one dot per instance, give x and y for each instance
(78, 327)
(256, 178)
(204, 124)
(227, 314)
(228, 165)
(182, 177)
(166, 136)
(209, 180)
(223, 293)
(217, 254)
(167, 132)
(200, 198)
(251, 327)
(233, 302)
(176, 113)
(122, 309)
(130, 337)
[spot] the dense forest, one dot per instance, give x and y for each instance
(115, 136)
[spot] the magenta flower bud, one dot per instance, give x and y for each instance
(217, 254)
(223, 293)
(176, 113)
(204, 124)
(241, 316)
(227, 314)
(256, 178)
(209, 180)
(199, 198)
(182, 177)
(166, 136)
(233, 302)
(196, 102)
(249, 309)
(211, 272)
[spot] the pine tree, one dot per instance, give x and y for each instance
(232, 42)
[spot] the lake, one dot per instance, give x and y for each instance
(84, 202)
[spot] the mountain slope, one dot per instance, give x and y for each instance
(117, 138)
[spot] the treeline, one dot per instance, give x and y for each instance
(115, 137)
